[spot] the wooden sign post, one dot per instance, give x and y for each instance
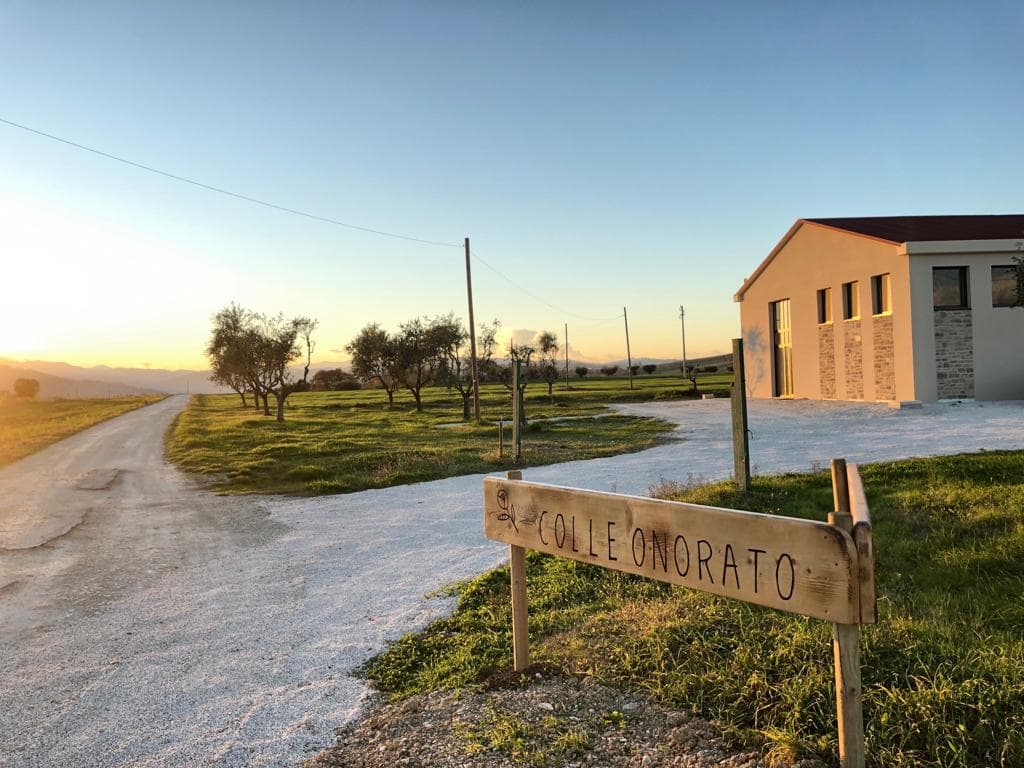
(816, 569)
(740, 430)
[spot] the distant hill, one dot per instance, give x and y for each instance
(104, 381)
(149, 379)
(57, 386)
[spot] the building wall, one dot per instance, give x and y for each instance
(996, 334)
(819, 257)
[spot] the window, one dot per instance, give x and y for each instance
(851, 300)
(1004, 286)
(881, 294)
(949, 288)
(824, 306)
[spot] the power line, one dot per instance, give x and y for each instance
(537, 298)
(228, 192)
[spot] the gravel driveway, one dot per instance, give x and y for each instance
(145, 622)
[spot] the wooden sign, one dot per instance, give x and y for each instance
(800, 566)
(823, 570)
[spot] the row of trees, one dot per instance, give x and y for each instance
(252, 353)
(424, 351)
(436, 351)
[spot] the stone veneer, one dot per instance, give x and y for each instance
(827, 360)
(954, 353)
(853, 354)
(885, 358)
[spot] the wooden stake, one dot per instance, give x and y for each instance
(472, 337)
(629, 357)
(517, 569)
(740, 437)
(846, 645)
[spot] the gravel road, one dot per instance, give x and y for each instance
(145, 622)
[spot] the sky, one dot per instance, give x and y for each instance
(599, 156)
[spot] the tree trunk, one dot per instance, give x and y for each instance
(466, 416)
(549, 388)
(391, 398)
(266, 405)
(280, 405)
(242, 395)
(419, 403)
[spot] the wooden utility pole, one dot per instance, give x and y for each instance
(566, 355)
(472, 337)
(517, 410)
(682, 322)
(629, 357)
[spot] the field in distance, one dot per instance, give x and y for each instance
(336, 442)
(27, 426)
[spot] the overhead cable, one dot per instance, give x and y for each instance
(228, 192)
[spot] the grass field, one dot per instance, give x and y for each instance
(28, 426)
(333, 442)
(943, 670)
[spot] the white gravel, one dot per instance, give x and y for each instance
(170, 627)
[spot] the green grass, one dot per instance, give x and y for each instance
(335, 442)
(29, 426)
(943, 670)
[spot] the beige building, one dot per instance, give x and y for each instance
(893, 308)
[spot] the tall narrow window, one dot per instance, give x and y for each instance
(949, 288)
(851, 300)
(881, 294)
(1004, 286)
(824, 305)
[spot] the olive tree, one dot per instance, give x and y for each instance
(374, 360)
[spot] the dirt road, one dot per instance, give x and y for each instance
(145, 622)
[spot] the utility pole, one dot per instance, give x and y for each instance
(566, 355)
(629, 357)
(472, 338)
(682, 321)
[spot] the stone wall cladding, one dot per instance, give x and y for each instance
(853, 353)
(885, 358)
(827, 360)
(954, 353)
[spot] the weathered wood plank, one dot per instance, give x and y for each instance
(862, 538)
(846, 642)
(800, 566)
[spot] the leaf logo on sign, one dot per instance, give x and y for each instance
(508, 511)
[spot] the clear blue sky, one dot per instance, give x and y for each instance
(647, 155)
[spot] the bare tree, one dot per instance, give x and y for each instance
(374, 359)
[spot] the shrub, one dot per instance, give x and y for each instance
(610, 370)
(582, 371)
(650, 368)
(27, 388)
